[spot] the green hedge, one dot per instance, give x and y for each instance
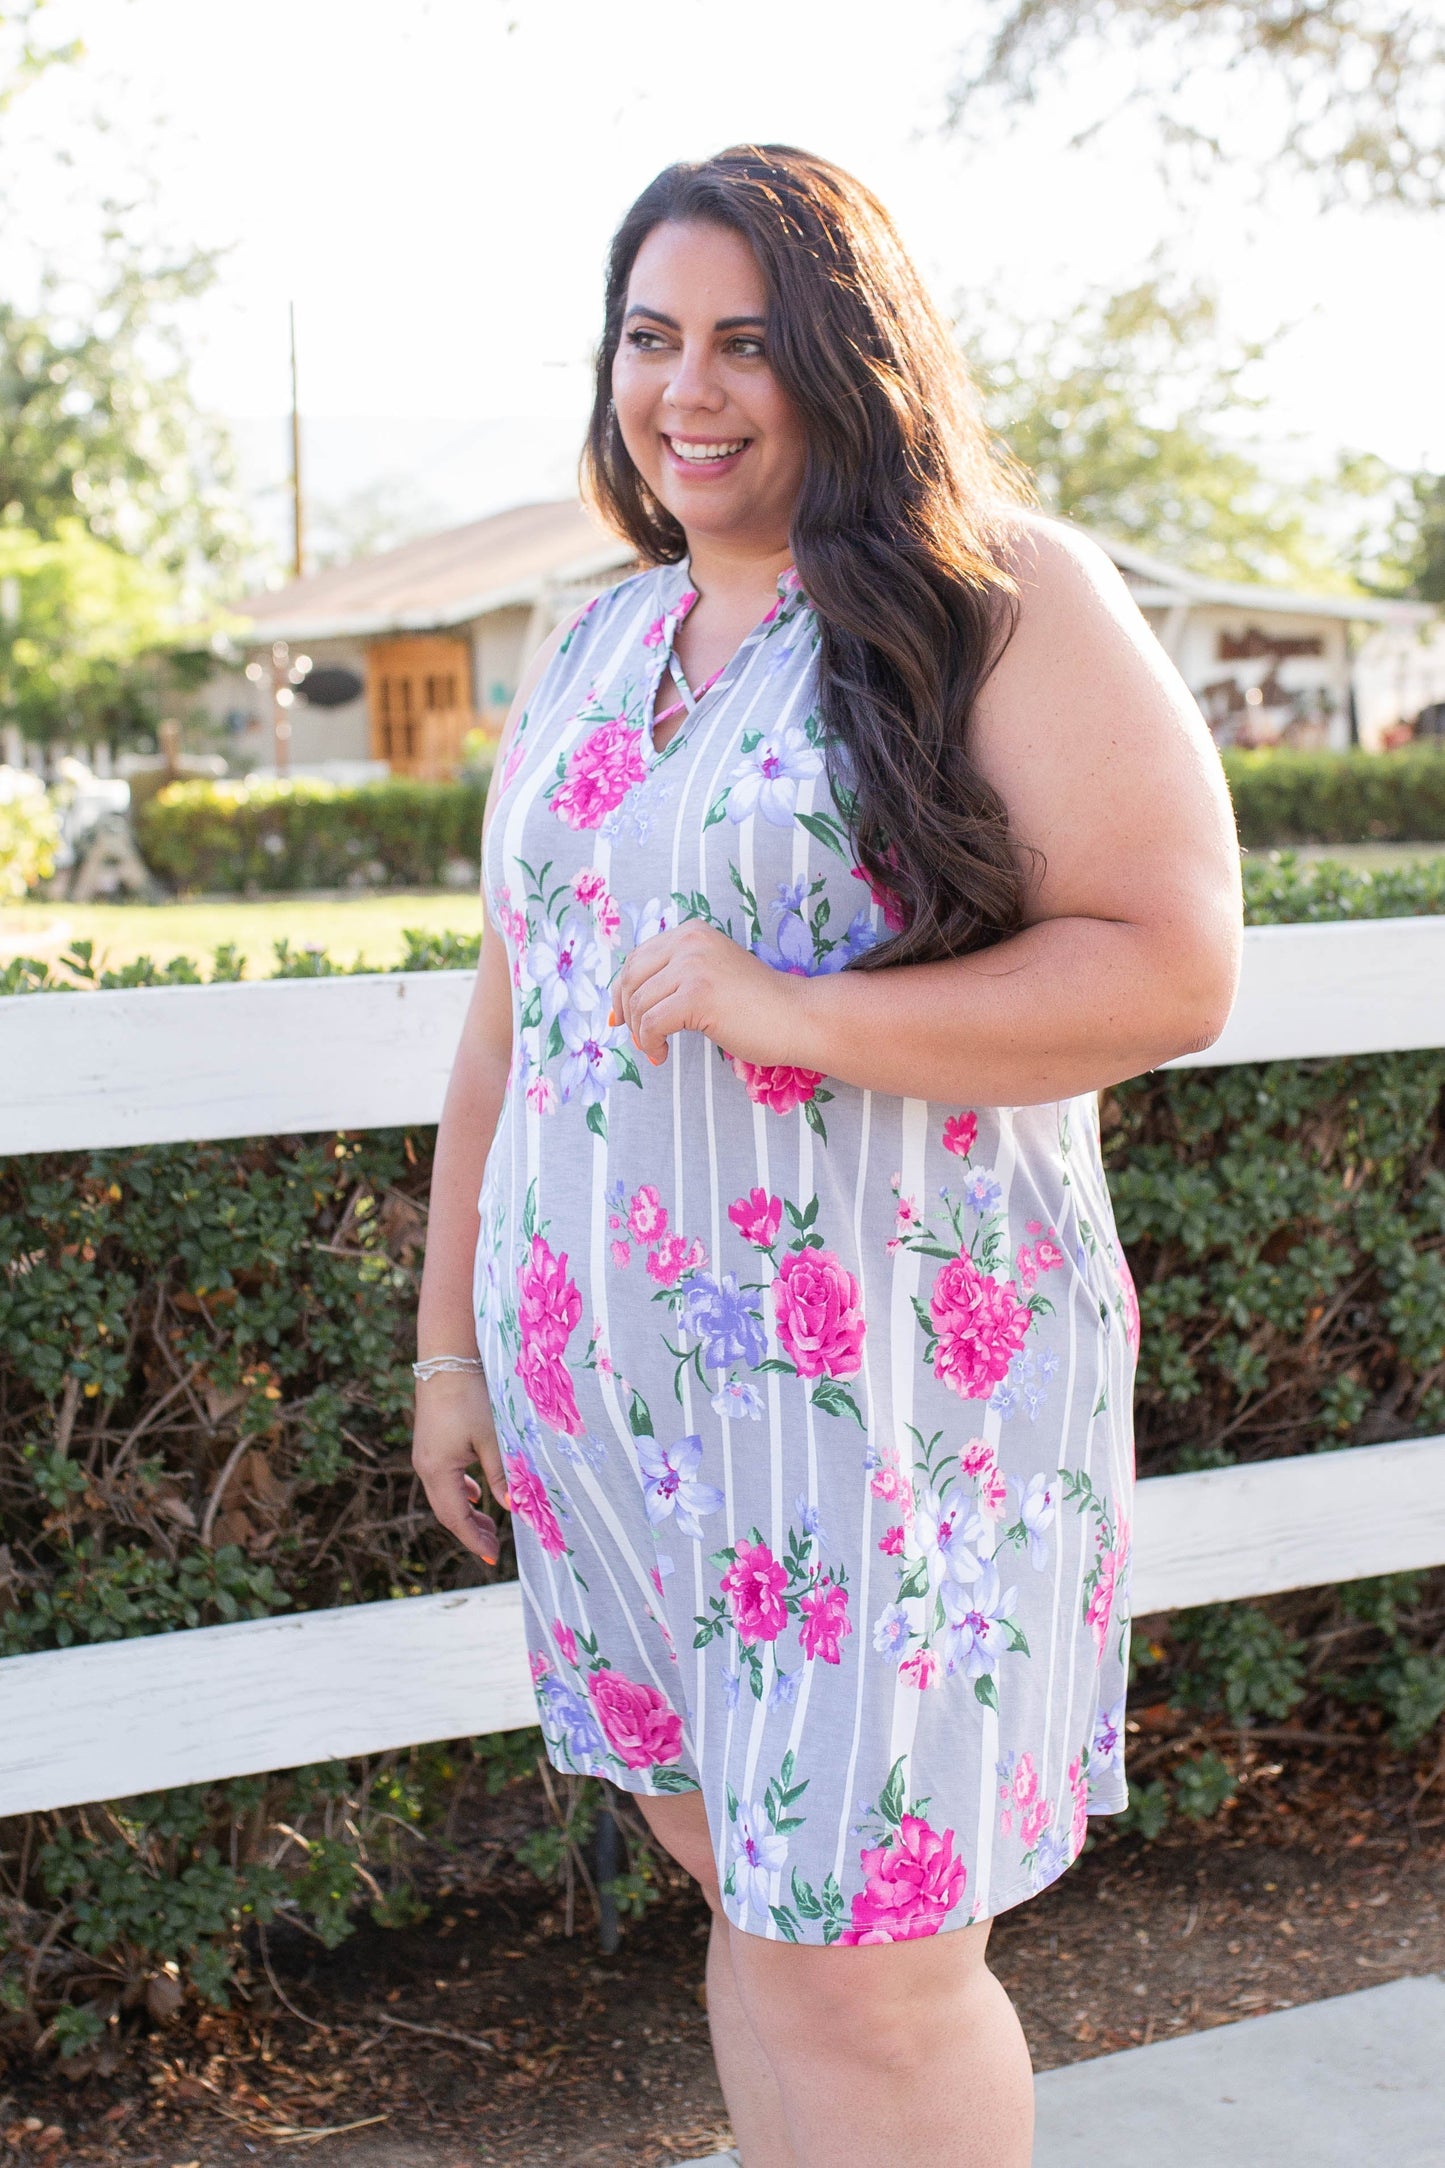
(212, 838)
(1286, 1226)
(1289, 797)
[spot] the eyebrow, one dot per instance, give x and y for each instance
(660, 316)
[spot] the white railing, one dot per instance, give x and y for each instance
(167, 1064)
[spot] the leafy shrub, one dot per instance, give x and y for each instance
(170, 1313)
(218, 837)
(29, 834)
(1294, 797)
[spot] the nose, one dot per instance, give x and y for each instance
(693, 386)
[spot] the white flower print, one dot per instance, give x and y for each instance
(974, 1638)
(945, 1537)
(766, 779)
(1036, 1511)
(591, 1064)
(760, 1853)
(671, 1488)
(569, 967)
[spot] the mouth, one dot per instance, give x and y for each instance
(705, 455)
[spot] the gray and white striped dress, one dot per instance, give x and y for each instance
(815, 1403)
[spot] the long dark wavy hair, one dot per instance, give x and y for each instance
(898, 536)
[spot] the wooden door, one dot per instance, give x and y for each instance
(420, 705)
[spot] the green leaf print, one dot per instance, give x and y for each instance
(627, 1065)
(732, 1804)
(1101, 1404)
(673, 1780)
(639, 1416)
(914, 1581)
(835, 1399)
(890, 1802)
(1016, 1639)
(786, 1925)
(597, 1120)
(809, 1905)
(813, 1118)
(717, 811)
(529, 1212)
(556, 1044)
(532, 1009)
(823, 830)
(986, 1692)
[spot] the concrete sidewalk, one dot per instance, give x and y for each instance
(1349, 2083)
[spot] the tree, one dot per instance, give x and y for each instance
(1127, 412)
(1347, 92)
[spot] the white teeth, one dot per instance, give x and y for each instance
(699, 454)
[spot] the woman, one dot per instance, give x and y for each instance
(835, 862)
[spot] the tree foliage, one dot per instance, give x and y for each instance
(1346, 92)
(1127, 411)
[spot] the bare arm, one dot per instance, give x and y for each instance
(454, 1425)
(1130, 953)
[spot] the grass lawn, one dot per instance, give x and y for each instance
(345, 926)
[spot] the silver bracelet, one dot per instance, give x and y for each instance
(434, 1364)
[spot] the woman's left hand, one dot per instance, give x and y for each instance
(695, 978)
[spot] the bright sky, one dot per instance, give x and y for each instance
(434, 181)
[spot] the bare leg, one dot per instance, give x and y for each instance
(749, 2087)
(898, 2055)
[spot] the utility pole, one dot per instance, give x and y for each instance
(298, 556)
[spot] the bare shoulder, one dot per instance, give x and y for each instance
(1091, 736)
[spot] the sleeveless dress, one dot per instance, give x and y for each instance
(815, 1403)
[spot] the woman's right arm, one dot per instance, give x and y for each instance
(454, 1428)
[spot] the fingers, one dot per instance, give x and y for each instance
(454, 1500)
(651, 1008)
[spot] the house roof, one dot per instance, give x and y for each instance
(510, 559)
(1158, 586)
(514, 557)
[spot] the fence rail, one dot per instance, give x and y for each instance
(167, 1064)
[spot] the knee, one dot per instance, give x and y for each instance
(847, 2007)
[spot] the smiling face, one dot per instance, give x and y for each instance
(704, 419)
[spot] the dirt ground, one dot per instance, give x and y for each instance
(486, 2039)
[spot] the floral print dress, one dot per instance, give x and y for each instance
(814, 1402)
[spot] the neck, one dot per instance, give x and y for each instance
(728, 570)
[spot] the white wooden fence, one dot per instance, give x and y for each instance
(167, 1064)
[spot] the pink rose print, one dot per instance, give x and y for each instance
(775, 1085)
(912, 1883)
(754, 1584)
(1034, 1820)
(892, 909)
(992, 1493)
(981, 1326)
(674, 1255)
(621, 1253)
(826, 1624)
(530, 1503)
(820, 1323)
(566, 1640)
(977, 1457)
(1047, 1254)
(654, 634)
(1026, 1266)
(1131, 1304)
(890, 1543)
(1101, 1602)
(542, 1095)
(538, 1664)
(646, 1215)
(921, 1669)
(513, 761)
(643, 1730)
(1079, 1825)
(960, 1134)
(757, 1218)
(1026, 1782)
(600, 772)
(589, 886)
(549, 1309)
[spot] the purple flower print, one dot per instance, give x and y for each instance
(810, 1520)
(719, 1314)
(784, 1690)
(572, 1717)
(891, 1631)
(569, 968)
(1106, 1748)
(766, 779)
(975, 1636)
(760, 1853)
(643, 920)
(731, 1681)
(670, 1486)
(982, 1191)
(1036, 1511)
